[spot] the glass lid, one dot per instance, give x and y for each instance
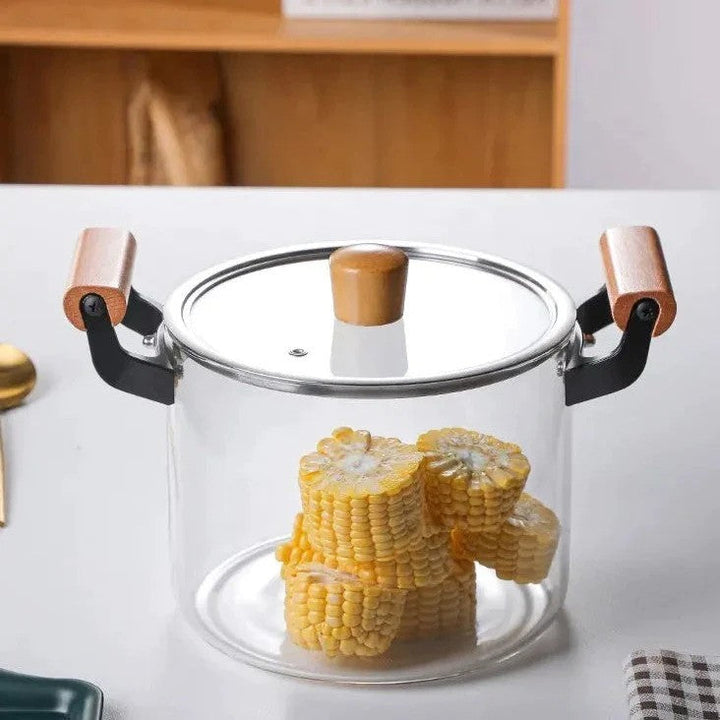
(469, 319)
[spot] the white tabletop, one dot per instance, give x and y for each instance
(84, 560)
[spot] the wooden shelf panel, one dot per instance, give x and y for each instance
(228, 25)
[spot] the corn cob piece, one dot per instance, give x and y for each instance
(441, 610)
(472, 481)
(337, 613)
(297, 550)
(522, 549)
(426, 562)
(362, 496)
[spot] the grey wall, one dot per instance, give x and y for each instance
(644, 94)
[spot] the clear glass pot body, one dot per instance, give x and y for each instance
(233, 459)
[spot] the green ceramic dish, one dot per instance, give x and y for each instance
(35, 698)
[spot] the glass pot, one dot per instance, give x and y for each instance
(410, 562)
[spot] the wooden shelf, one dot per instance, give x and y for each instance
(229, 25)
(105, 91)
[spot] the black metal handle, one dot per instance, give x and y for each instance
(143, 315)
(153, 380)
(595, 377)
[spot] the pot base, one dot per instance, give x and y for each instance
(239, 610)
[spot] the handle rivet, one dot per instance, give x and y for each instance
(92, 305)
(298, 352)
(646, 311)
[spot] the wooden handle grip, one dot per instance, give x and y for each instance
(103, 264)
(368, 284)
(635, 269)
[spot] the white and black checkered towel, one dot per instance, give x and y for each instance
(666, 685)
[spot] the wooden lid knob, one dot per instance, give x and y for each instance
(368, 283)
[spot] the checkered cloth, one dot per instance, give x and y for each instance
(666, 685)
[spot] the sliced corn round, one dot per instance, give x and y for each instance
(297, 550)
(472, 481)
(426, 562)
(337, 613)
(521, 549)
(362, 496)
(441, 610)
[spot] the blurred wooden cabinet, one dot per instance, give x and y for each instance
(229, 92)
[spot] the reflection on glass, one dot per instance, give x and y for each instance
(368, 352)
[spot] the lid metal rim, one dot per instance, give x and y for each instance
(556, 337)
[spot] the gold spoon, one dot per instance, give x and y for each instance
(17, 379)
